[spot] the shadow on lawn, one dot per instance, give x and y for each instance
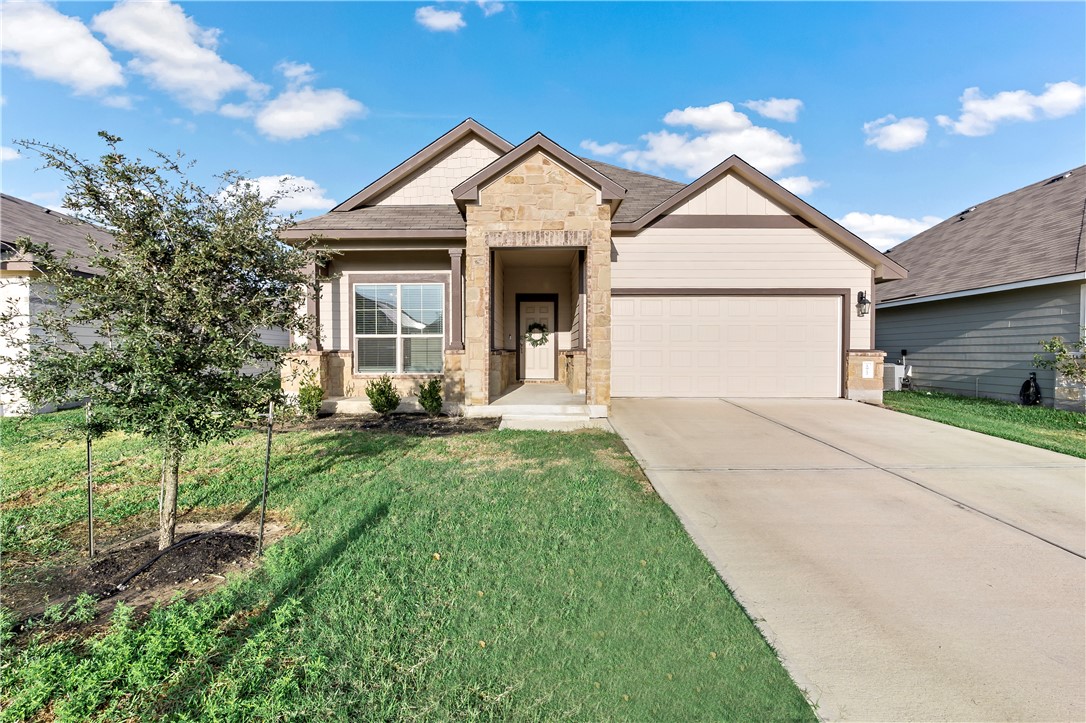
(186, 693)
(317, 456)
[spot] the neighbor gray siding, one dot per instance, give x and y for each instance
(981, 344)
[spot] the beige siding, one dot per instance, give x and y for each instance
(337, 297)
(433, 185)
(578, 300)
(537, 280)
(742, 259)
(730, 195)
(499, 305)
(14, 292)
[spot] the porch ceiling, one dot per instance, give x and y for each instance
(537, 257)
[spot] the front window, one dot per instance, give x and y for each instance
(399, 328)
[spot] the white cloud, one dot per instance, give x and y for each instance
(602, 149)
(980, 115)
(174, 53)
(57, 47)
(298, 193)
(7, 153)
(238, 110)
(301, 112)
(801, 185)
(883, 231)
(296, 73)
(123, 102)
(723, 131)
(782, 109)
(490, 7)
(891, 134)
(440, 20)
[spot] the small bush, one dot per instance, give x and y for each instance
(430, 396)
(310, 396)
(383, 396)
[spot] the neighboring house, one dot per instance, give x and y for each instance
(64, 234)
(729, 286)
(985, 286)
(19, 218)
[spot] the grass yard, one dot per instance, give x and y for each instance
(1042, 427)
(498, 575)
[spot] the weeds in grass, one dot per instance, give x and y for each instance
(430, 579)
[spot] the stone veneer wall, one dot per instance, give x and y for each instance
(856, 387)
(537, 204)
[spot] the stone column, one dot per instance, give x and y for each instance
(456, 305)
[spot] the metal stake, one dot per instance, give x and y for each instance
(264, 494)
(90, 488)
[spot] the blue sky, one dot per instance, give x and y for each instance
(887, 116)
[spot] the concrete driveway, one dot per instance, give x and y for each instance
(904, 570)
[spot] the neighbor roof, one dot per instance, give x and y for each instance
(1035, 232)
(19, 218)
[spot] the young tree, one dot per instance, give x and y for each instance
(1067, 358)
(177, 301)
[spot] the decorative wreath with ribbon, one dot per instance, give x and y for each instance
(536, 334)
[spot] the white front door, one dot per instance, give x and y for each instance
(537, 362)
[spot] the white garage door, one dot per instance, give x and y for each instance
(726, 346)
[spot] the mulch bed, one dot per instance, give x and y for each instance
(192, 569)
(419, 425)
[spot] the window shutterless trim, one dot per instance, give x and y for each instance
(398, 281)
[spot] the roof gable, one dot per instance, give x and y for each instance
(468, 191)
(450, 145)
(1035, 232)
(780, 197)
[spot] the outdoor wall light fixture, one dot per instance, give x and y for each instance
(863, 304)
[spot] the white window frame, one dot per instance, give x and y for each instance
(399, 336)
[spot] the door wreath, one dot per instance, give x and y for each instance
(536, 334)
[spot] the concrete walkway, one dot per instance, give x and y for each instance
(903, 569)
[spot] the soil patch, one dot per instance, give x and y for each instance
(215, 551)
(419, 425)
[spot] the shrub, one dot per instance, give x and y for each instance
(310, 396)
(430, 396)
(383, 396)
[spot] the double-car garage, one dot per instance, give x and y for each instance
(727, 344)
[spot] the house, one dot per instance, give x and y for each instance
(66, 236)
(628, 285)
(985, 286)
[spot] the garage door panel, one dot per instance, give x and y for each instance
(755, 346)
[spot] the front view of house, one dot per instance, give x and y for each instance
(494, 265)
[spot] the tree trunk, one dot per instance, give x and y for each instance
(167, 500)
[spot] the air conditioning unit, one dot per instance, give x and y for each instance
(892, 374)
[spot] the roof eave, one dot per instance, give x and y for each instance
(885, 268)
(447, 140)
(468, 190)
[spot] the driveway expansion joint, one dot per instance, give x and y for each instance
(891, 471)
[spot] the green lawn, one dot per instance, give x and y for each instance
(565, 589)
(1037, 426)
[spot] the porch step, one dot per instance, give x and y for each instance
(574, 411)
(553, 423)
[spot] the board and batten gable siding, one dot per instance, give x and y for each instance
(981, 345)
(729, 196)
(434, 184)
(728, 258)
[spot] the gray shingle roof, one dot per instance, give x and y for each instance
(1032, 233)
(643, 192)
(63, 233)
(387, 218)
